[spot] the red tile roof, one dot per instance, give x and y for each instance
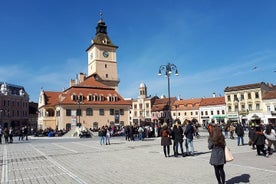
(212, 101)
(188, 104)
(269, 95)
(247, 86)
(88, 87)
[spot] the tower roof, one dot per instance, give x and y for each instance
(101, 37)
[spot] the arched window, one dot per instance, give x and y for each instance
(95, 125)
(50, 113)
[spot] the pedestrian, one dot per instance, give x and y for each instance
(140, 133)
(20, 136)
(1, 133)
(177, 139)
(232, 130)
(226, 130)
(11, 134)
(166, 139)
(270, 135)
(102, 134)
(251, 132)
(25, 132)
(107, 136)
(216, 142)
(6, 134)
(189, 133)
(240, 133)
(259, 141)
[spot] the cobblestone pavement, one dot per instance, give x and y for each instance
(85, 161)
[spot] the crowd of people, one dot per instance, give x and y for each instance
(9, 132)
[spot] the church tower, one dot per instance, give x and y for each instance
(102, 62)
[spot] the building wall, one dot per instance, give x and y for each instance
(239, 105)
(60, 121)
(14, 110)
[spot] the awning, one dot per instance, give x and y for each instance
(219, 116)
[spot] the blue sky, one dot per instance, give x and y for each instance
(213, 43)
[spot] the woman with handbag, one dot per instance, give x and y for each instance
(216, 142)
(166, 139)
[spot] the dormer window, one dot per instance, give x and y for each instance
(74, 97)
(80, 97)
(89, 97)
(96, 97)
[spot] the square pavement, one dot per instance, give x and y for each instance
(84, 161)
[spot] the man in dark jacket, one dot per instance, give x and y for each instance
(177, 139)
(240, 133)
(189, 133)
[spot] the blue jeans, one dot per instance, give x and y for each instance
(190, 146)
(102, 140)
(240, 138)
(107, 139)
(140, 136)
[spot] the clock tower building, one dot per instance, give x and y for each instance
(102, 61)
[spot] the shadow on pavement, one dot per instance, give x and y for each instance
(244, 178)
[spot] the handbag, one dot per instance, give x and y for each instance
(228, 155)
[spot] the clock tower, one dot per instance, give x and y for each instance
(102, 61)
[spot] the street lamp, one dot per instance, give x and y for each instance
(79, 102)
(169, 68)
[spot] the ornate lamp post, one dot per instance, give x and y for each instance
(79, 102)
(169, 68)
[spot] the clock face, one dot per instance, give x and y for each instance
(105, 54)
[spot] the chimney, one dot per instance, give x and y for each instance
(72, 82)
(81, 77)
(214, 94)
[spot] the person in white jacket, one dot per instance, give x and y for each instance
(270, 135)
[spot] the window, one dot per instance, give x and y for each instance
(229, 109)
(135, 106)
(201, 113)
(196, 113)
(105, 65)
(257, 95)
(80, 98)
(106, 75)
(236, 108)
(257, 106)
(235, 98)
(212, 113)
(89, 112)
(222, 112)
(191, 113)
(122, 112)
(268, 108)
(101, 112)
(89, 97)
(57, 113)
(185, 113)
(242, 107)
(206, 112)
(217, 112)
(242, 96)
(68, 112)
(250, 107)
(78, 112)
(111, 112)
(147, 105)
(249, 95)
